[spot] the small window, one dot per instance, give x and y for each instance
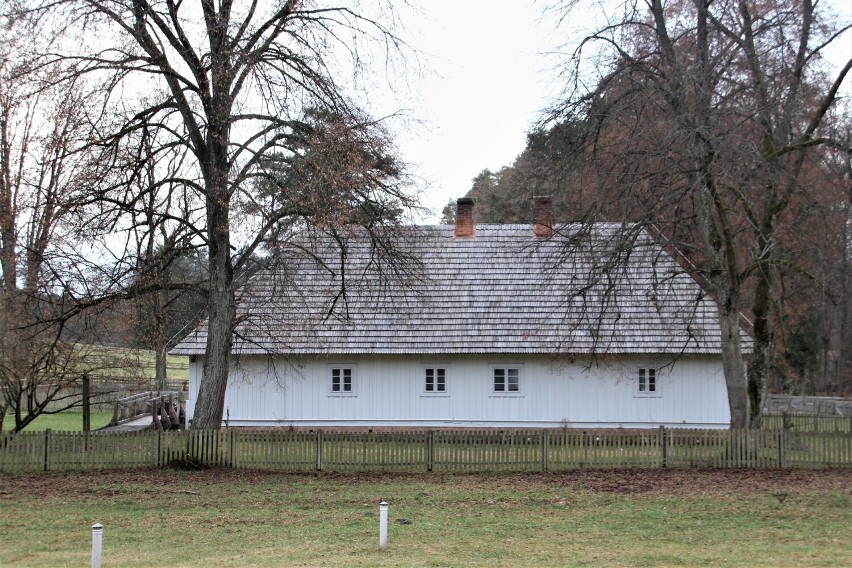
(341, 380)
(436, 380)
(506, 379)
(647, 382)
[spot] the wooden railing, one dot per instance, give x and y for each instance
(138, 384)
(130, 408)
(166, 409)
(438, 450)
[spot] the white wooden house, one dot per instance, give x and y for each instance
(485, 326)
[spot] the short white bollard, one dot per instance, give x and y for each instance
(97, 544)
(383, 525)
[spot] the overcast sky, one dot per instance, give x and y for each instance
(483, 85)
(486, 78)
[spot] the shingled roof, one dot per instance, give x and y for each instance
(602, 288)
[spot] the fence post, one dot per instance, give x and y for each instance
(189, 451)
(4, 442)
(849, 444)
(87, 408)
(782, 443)
(319, 449)
(663, 446)
(159, 448)
(545, 445)
(233, 449)
(47, 449)
(430, 450)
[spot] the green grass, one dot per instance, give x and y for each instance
(632, 518)
(126, 362)
(67, 421)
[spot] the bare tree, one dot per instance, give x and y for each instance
(44, 161)
(707, 121)
(229, 83)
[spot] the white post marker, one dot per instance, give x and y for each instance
(383, 525)
(97, 544)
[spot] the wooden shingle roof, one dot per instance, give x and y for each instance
(606, 289)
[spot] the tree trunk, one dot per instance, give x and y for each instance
(759, 368)
(8, 219)
(160, 375)
(221, 305)
(221, 309)
(160, 338)
(215, 160)
(839, 387)
(732, 360)
(210, 405)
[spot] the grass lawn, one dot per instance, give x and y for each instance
(103, 361)
(219, 518)
(67, 421)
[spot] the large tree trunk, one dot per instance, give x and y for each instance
(732, 360)
(759, 369)
(221, 305)
(8, 219)
(221, 309)
(839, 387)
(160, 339)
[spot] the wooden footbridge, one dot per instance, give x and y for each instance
(157, 410)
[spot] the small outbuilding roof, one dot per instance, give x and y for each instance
(576, 289)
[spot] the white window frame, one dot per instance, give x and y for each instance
(644, 377)
(342, 371)
(434, 369)
(507, 374)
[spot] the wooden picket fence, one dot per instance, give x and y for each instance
(800, 422)
(426, 450)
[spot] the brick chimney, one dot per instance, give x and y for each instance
(543, 217)
(465, 228)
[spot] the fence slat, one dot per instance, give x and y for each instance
(435, 450)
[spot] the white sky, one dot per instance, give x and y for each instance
(483, 86)
(487, 78)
